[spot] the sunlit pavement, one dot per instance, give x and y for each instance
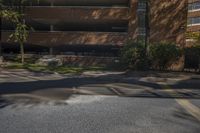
(99, 102)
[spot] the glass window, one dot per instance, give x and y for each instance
(142, 5)
(141, 20)
(141, 31)
(195, 20)
(194, 6)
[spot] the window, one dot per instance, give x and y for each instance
(141, 19)
(142, 6)
(141, 31)
(194, 21)
(194, 6)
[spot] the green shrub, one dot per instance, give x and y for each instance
(133, 56)
(163, 54)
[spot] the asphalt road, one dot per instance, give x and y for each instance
(99, 114)
(92, 104)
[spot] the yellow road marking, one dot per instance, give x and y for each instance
(187, 105)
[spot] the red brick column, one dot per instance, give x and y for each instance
(133, 20)
(168, 21)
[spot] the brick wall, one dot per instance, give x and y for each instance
(168, 19)
(76, 14)
(50, 39)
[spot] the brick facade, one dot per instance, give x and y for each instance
(168, 21)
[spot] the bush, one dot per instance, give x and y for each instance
(133, 56)
(163, 54)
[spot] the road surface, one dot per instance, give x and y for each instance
(101, 102)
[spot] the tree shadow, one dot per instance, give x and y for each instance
(192, 83)
(181, 118)
(182, 114)
(4, 103)
(123, 84)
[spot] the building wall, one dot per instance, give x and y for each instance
(168, 19)
(77, 14)
(114, 14)
(167, 22)
(133, 21)
(50, 39)
(193, 25)
(81, 2)
(193, 13)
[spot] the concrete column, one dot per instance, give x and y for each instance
(0, 49)
(51, 27)
(52, 3)
(51, 50)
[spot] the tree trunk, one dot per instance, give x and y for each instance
(199, 64)
(0, 49)
(22, 52)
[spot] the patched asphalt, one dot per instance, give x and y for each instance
(103, 102)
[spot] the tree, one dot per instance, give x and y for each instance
(15, 14)
(8, 15)
(20, 36)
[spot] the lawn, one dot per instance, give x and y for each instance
(58, 69)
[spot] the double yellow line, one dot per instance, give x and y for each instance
(186, 104)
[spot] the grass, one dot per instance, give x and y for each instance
(59, 69)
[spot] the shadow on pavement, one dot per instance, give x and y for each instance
(182, 114)
(127, 85)
(4, 103)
